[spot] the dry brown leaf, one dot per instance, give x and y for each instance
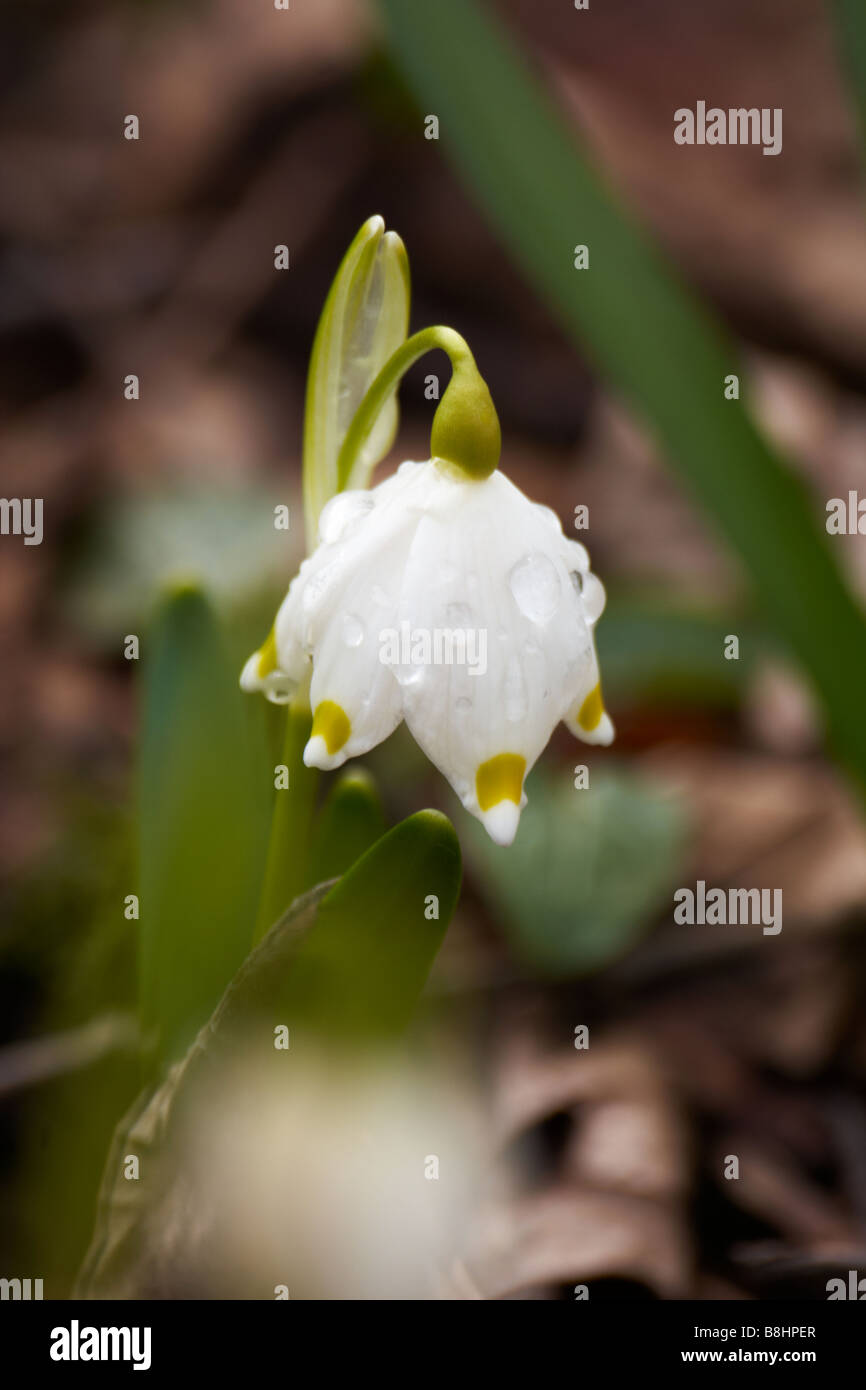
(565, 1236)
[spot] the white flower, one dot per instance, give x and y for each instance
(433, 551)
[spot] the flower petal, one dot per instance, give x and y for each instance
(345, 623)
(483, 561)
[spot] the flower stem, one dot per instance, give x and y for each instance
(465, 418)
(291, 822)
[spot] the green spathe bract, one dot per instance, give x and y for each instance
(365, 318)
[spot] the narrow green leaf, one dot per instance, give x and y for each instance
(202, 821)
(851, 27)
(365, 319)
(644, 329)
(350, 823)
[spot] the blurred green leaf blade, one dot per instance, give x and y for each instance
(350, 823)
(586, 873)
(851, 28)
(203, 808)
(656, 648)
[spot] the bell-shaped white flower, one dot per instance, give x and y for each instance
(451, 601)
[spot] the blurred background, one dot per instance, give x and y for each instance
(604, 1166)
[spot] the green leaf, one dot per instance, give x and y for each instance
(365, 319)
(644, 329)
(360, 971)
(350, 823)
(851, 26)
(202, 821)
(346, 964)
(655, 649)
(585, 874)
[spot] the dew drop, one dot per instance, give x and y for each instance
(536, 587)
(593, 598)
(342, 515)
(549, 517)
(576, 556)
(353, 630)
(577, 580)
(458, 615)
(409, 674)
(317, 586)
(278, 687)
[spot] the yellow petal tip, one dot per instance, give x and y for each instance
(500, 779)
(331, 724)
(590, 713)
(267, 656)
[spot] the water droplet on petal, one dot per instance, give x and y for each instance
(593, 598)
(577, 580)
(464, 704)
(409, 674)
(458, 615)
(317, 586)
(576, 556)
(343, 514)
(548, 516)
(279, 687)
(353, 630)
(536, 587)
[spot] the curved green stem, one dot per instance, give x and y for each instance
(465, 376)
